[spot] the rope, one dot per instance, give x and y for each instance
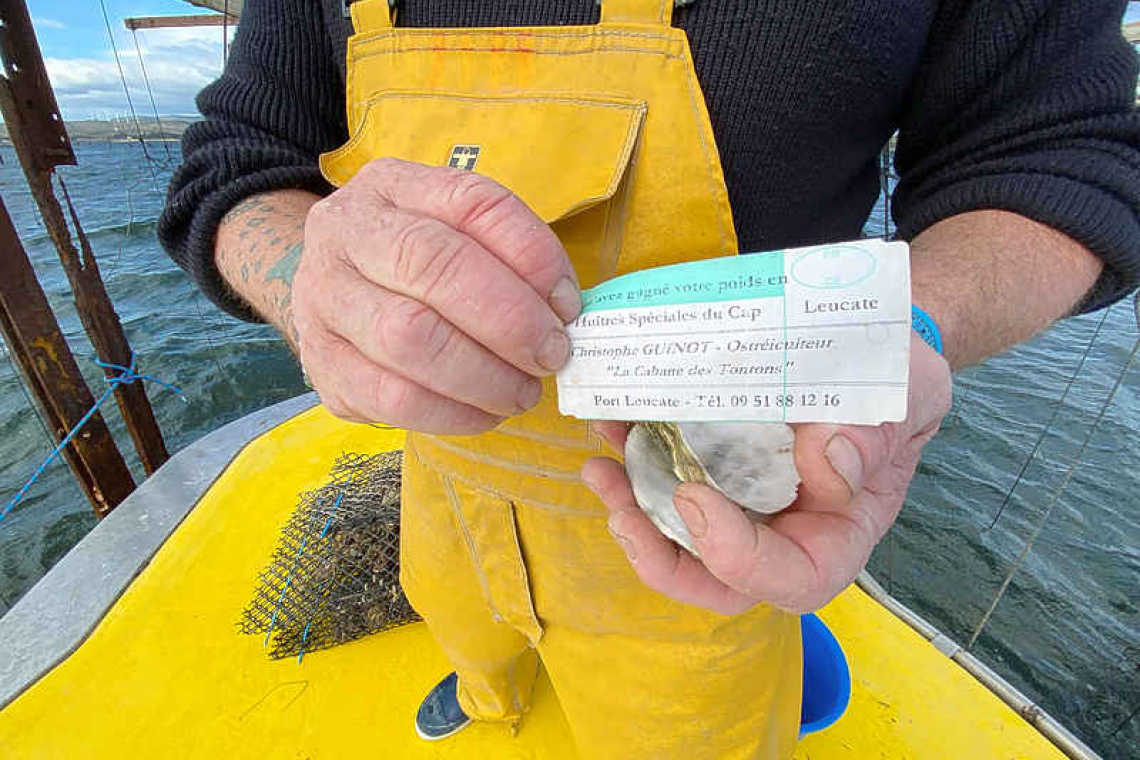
(127, 374)
(1064, 483)
(127, 91)
(1048, 425)
(150, 93)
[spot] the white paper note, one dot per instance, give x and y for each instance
(819, 334)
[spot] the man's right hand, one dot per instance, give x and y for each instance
(430, 299)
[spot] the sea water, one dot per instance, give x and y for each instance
(1067, 632)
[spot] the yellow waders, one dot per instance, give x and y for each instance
(603, 131)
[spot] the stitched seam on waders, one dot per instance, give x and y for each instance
(546, 33)
(521, 572)
(507, 464)
(454, 499)
(576, 99)
(714, 186)
(615, 236)
(527, 501)
(585, 442)
(646, 51)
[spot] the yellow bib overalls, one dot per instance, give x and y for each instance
(603, 131)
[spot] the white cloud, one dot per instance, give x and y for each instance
(47, 23)
(179, 63)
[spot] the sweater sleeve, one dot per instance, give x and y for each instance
(1028, 106)
(277, 106)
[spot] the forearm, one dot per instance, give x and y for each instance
(258, 249)
(991, 279)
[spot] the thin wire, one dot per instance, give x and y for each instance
(1064, 483)
(127, 91)
(130, 190)
(225, 33)
(27, 394)
(1049, 425)
(1125, 722)
(956, 410)
(150, 93)
(222, 374)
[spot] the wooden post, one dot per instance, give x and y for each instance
(49, 370)
(41, 142)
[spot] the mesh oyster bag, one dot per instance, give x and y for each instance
(335, 574)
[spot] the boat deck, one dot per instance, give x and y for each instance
(165, 673)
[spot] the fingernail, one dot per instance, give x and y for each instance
(692, 515)
(566, 299)
(846, 460)
(529, 395)
(554, 351)
(626, 544)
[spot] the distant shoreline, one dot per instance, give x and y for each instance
(96, 130)
(146, 138)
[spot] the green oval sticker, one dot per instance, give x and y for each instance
(833, 266)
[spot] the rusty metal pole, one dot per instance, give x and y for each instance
(33, 336)
(41, 142)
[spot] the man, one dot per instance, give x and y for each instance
(434, 298)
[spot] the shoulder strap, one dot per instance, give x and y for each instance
(369, 15)
(651, 12)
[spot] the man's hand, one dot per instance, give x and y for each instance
(854, 481)
(430, 299)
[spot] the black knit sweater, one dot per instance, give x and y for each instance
(1022, 105)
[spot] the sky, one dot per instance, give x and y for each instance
(179, 62)
(77, 52)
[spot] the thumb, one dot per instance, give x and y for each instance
(836, 461)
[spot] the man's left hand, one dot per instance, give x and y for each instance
(854, 480)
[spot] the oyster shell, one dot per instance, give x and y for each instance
(751, 463)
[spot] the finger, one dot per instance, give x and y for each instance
(355, 389)
(659, 563)
(410, 339)
(836, 461)
(799, 561)
(491, 214)
(612, 432)
(428, 261)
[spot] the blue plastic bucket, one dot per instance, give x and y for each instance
(827, 679)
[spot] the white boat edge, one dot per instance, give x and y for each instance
(57, 614)
(55, 617)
